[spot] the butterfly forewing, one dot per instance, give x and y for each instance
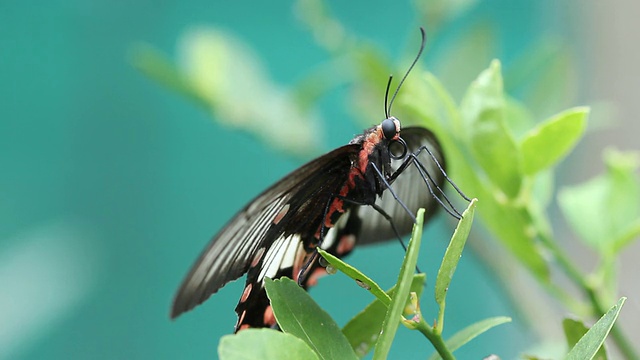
(288, 207)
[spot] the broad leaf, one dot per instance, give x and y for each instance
(264, 344)
(604, 211)
(299, 315)
(550, 141)
(493, 146)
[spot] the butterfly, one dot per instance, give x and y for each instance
(334, 202)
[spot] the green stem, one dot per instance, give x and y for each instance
(436, 340)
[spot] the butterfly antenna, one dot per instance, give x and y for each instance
(386, 98)
(424, 39)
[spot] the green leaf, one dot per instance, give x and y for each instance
(550, 141)
(470, 332)
(403, 286)
(518, 118)
(265, 344)
(450, 260)
(512, 226)
(356, 275)
(604, 211)
(298, 314)
(575, 329)
(493, 146)
(589, 344)
(507, 220)
(363, 330)
(158, 67)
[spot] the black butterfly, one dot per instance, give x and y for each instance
(335, 201)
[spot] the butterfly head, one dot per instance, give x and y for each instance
(390, 128)
(396, 147)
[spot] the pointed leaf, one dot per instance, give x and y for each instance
(356, 275)
(299, 315)
(575, 329)
(403, 286)
(589, 344)
(264, 344)
(453, 253)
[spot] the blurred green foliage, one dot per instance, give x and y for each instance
(496, 149)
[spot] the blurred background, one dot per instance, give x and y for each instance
(112, 184)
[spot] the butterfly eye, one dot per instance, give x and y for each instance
(388, 129)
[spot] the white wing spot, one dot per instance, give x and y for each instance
(280, 255)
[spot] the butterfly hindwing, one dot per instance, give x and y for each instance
(285, 258)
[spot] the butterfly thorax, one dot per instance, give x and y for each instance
(363, 184)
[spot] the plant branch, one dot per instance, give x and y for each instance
(436, 340)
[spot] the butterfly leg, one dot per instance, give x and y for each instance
(393, 193)
(435, 160)
(389, 219)
(412, 159)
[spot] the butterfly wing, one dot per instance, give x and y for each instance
(370, 225)
(288, 208)
(285, 258)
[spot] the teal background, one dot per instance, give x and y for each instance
(111, 185)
